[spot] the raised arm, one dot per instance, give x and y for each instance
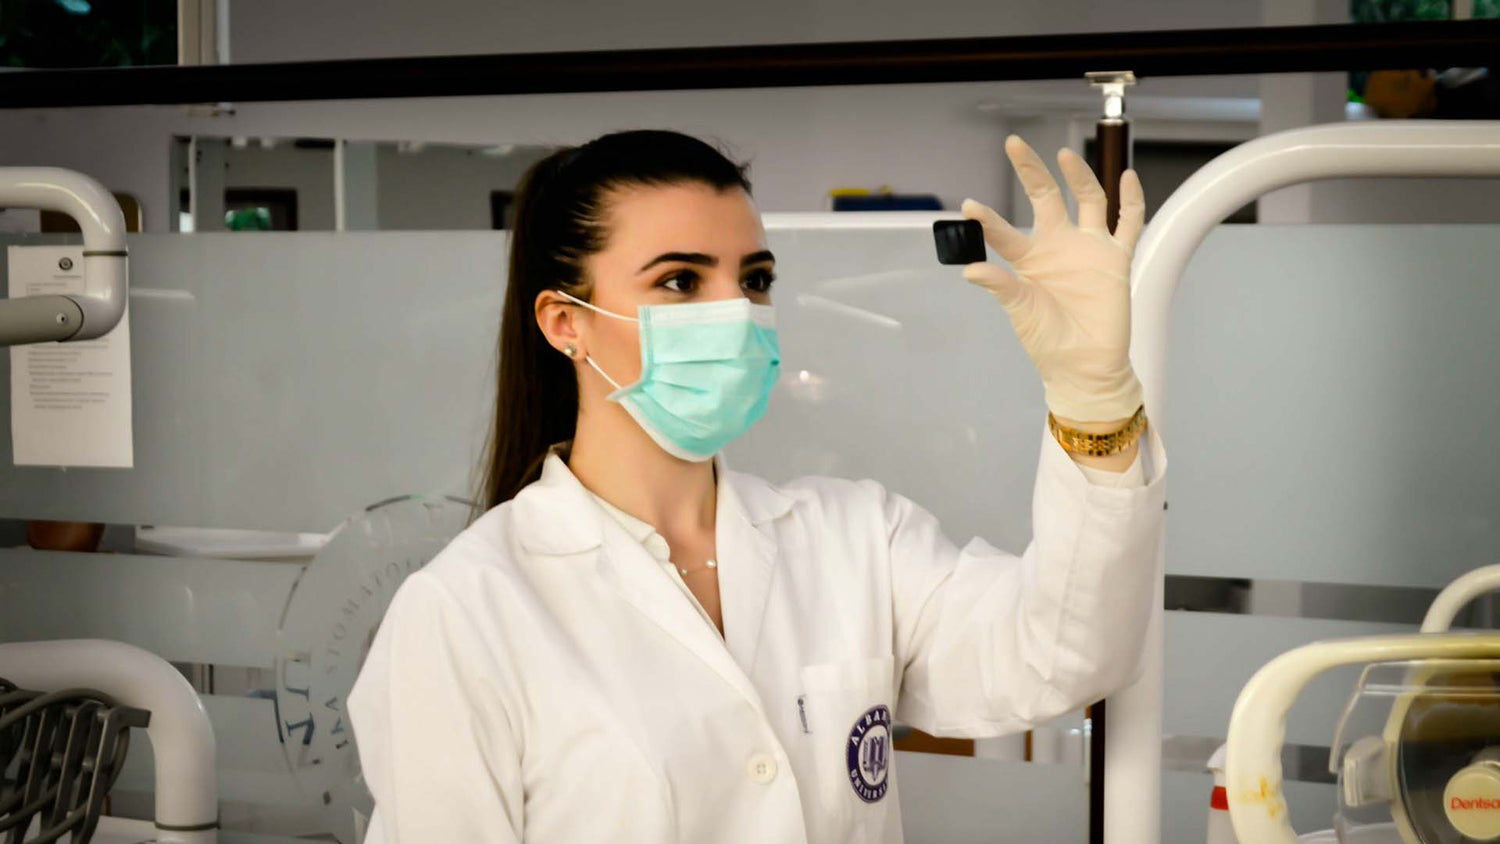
(991, 643)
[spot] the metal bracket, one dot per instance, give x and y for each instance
(1112, 84)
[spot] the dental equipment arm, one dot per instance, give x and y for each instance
(182, 739)
(39, 319)
(1457, 595)
(1257, 726)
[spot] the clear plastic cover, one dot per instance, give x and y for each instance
(326, 631)
(1415, 751)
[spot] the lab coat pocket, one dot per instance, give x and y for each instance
(846, 707)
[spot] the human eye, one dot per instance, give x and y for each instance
(685, 281)
(760, 280)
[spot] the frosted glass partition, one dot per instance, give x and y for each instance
(1330, 386)
(1210, 656)
(285, 381)
(1334, 390)
(1328, 381)
(896, 368)
(208, 611)
(958, 800)
(1326, 375)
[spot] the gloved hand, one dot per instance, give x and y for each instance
(1068, 289)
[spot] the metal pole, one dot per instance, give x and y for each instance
(1111, 159)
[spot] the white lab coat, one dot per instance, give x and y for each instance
(545, 679)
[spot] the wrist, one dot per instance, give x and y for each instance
(1096, 401)
(1092, 427)
(1117, 462)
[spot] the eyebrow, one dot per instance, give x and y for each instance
(706, 260)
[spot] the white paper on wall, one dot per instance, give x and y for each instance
(70, 402)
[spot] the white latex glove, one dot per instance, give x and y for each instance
(1068, 289)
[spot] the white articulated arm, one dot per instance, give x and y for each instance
(182, 739)
(1380, 148)
(93, 313)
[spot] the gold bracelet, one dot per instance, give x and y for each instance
(1075, 441)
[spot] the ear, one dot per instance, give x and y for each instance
(554, 316)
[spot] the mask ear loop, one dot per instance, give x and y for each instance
(588, 358)
(594, 308)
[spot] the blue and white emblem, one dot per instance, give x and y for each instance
(867, 755)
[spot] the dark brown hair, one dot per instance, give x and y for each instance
(560, 221)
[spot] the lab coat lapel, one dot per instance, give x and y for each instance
(631, 570)
(747, 564)
(557, 516)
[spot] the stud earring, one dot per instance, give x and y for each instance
(571, 350)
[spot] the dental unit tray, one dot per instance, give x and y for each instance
(60, 754)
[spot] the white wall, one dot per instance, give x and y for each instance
(438, 187)
(308, 171)
(445, 187)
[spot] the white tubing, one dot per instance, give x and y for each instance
(182, 739)
(103, 225)
(72, 193)
(1132, 785)
(1252, 774)
(1457, 595)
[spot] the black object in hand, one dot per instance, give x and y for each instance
(959, 241)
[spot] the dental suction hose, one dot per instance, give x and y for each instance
(1253, 776)
(182, 739)
(64, 317)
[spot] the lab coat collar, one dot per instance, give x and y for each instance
(557, 515)
(747, 553)
(757, 498)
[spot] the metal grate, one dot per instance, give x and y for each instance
(60, 753)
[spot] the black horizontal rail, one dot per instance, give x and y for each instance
(1175, 52)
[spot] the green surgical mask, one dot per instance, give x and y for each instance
(707, 369)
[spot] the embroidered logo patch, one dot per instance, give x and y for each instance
(867, 755)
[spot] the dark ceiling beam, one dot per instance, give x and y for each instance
(1177, 52)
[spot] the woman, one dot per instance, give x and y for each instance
(635, 644)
